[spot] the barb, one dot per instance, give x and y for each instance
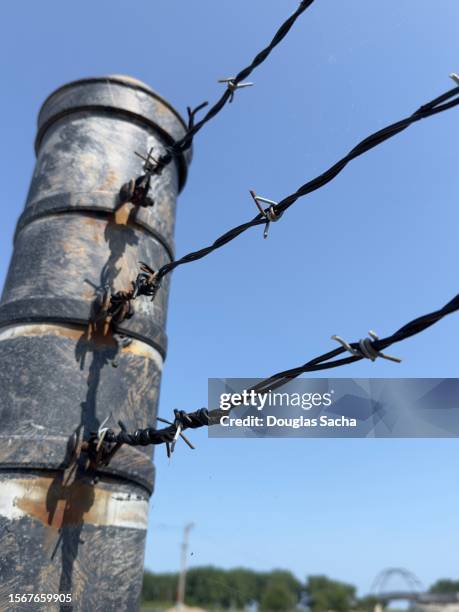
(232, 85)
(328, 361)
(269, 213)
(146, 282)
(112, 309)
(121, 305)
(364, 349)
(180, 146)
(136, 190)
(442, 103)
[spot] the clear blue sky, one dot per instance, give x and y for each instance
(371, 250)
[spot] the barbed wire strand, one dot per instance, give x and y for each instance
(194, 127)
(204, 417)
(435, 106)
(324, 361)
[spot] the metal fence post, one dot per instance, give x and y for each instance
(73, 536)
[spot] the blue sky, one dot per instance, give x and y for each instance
(371, 250)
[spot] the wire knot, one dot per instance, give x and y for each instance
(146, 282)
(136, 190)
(366, 348)
(121, 307)
(99, 448)
(116, 307)
(105, 443)
(271, 214)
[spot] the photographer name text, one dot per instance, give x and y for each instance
(293, 423)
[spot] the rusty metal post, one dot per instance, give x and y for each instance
(59, 535)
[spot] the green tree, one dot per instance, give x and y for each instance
(325, 594)
(277, 597)
(245, 586)
(445, 585)
(159, 587)
(287, 578)
(212, 587)
(208, 586)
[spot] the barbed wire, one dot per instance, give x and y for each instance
(275, 210)
(232, 83)
(137, 189)
(328, 361)
(102, 445)
(435, 106)
(111, 308)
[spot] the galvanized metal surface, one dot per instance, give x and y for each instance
(60, 261)
(79, 539)
(57, 375)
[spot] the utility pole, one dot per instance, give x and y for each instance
(61, 531)
(183, 568)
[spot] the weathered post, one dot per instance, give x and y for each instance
(62, 534)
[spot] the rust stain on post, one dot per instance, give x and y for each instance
(122, 214)
(77, 333)
(55, 505)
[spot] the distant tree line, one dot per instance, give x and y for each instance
(278, 590)
(445, 585)
(274, 591)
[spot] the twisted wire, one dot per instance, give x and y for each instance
(194, 127)
(440, 104)
(205, 418)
